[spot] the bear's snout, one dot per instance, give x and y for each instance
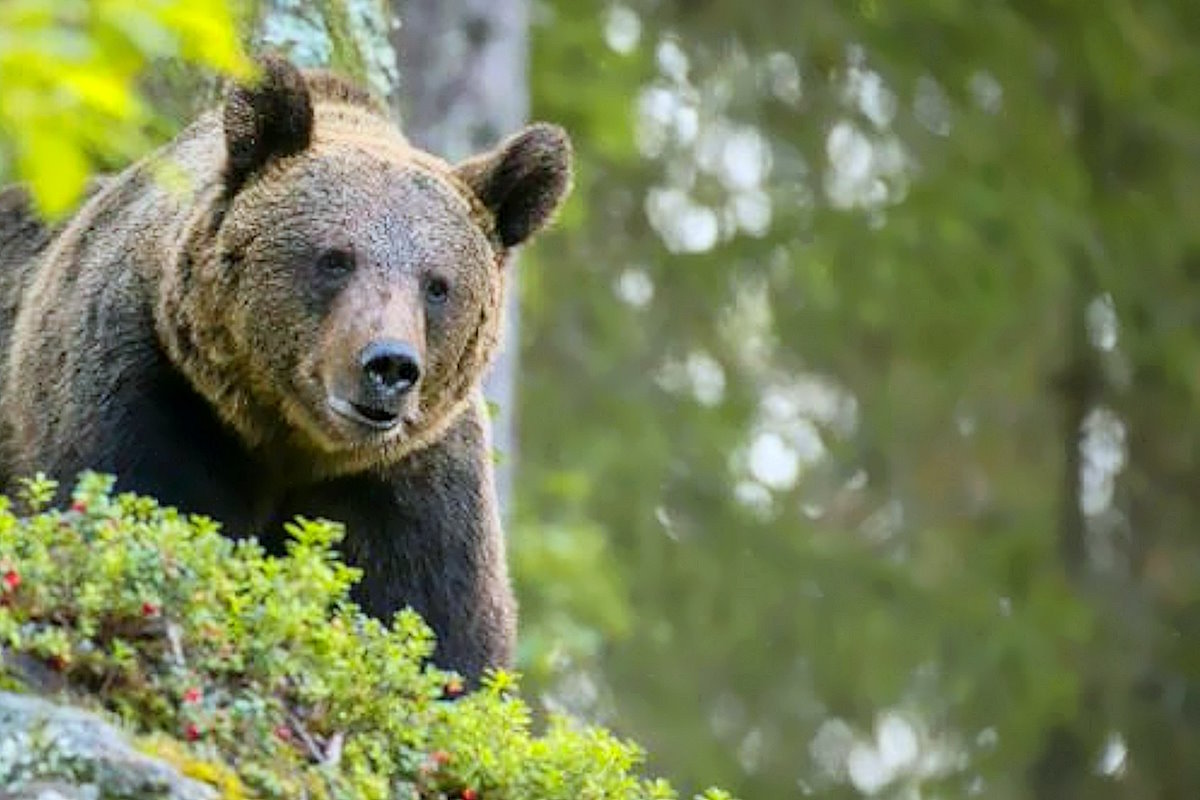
(390, 369)
(378, 397)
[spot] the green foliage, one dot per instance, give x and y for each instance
(571, 588)
(258, 674)
(969, 317)
(68, 72)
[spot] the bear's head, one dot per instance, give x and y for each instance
(351, 286)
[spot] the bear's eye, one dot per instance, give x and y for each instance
(336, 262)
(437, 290)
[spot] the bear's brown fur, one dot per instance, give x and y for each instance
(301, 330)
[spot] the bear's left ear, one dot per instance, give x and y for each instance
(523, 181)
(266, 120)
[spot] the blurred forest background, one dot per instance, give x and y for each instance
(856, 431)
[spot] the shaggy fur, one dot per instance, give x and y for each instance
(190, 341)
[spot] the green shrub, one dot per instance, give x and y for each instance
(258, 674)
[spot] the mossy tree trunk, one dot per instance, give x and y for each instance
(352, 36)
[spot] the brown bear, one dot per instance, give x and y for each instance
(298, 328)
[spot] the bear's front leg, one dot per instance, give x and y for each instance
(150, 430)
(427, 535)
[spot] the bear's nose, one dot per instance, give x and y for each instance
(391, 367)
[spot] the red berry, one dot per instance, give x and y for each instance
(192, 695)
(441, 757)
(12, 579)
(192, 732)
(469, 794)
(79, 506)
(283, 732)
(149, 609)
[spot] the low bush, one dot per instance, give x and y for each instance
(257, 674)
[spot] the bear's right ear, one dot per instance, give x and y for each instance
(269, 119)
(523, 181)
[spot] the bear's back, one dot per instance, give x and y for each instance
(23, 236)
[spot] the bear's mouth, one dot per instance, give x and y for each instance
(380, 419)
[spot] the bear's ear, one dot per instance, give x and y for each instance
(523, 181)
(268, 119)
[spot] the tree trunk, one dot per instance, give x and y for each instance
(1062, 770)
(464, 64)
(351, 36)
